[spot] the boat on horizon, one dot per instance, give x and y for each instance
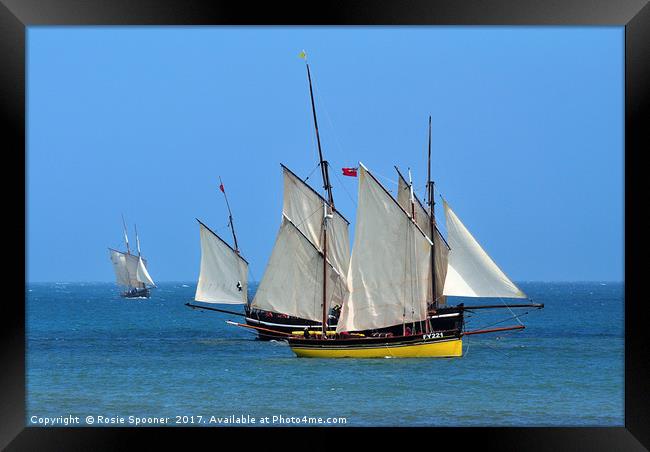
(131, 270)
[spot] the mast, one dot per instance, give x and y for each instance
(330, 199)
(126, 237)
(324, 324)
(137, 239)
(432, 219)
(323, 163)
(232, 225)
(414, 222)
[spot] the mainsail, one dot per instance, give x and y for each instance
(390, 263)
(224, 273)
(130, 270)
(293, 280)
(471, 272)
(441, 249)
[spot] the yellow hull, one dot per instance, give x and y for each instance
(438, 349)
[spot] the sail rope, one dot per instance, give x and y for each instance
(336, 138)
(514, 316)
(327, 115)
(312, 172)
(388, 179)
(319, 209)
(345, 189)
(485, 279)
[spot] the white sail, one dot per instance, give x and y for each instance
(119, 265)
(304, 207)
(126, 268)
(293, 280)
(224, 273)
(441, 250)
(471, 272)
(404, 200)
(390, 263)
(142, 274)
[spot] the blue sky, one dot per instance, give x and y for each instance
(528, 138)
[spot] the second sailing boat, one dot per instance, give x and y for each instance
(131, 270)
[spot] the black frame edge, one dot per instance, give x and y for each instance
(634, 14)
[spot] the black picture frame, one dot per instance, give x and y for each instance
(634, 15)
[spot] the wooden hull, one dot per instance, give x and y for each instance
(395, 347)
(446, 319)
(137, 293)
(286, 325)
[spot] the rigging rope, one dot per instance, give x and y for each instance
(312, 172)
(345, 189)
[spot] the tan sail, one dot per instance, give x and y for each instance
(305, 208)
(127, 271)
(224, 273)
(422, 219)
(471, 272)
(142, 274)
(293, 280)
(389, 266)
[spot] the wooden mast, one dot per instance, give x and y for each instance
(126, 237)
(137, 240)
(232, 225)
(328, 188)
(432, 222)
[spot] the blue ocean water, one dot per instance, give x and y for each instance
(90, 352)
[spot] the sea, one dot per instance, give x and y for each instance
(94, 358)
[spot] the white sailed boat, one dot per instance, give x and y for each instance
(131, 270)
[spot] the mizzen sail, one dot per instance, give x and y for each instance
(471, 272)
(224, 273)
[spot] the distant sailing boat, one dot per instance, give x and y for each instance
(131, 270)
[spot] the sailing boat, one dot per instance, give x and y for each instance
(394, 280)
(131, 270)
(223, 277)
(390, 284)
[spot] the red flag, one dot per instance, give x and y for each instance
(352, 172)
(221, 188)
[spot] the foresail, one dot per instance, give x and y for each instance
(293, 280)
(224, 273)
(389, 266)
(471, 272)
(305, 208)
(142, 274)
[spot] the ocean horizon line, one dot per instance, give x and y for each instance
(257, 282)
